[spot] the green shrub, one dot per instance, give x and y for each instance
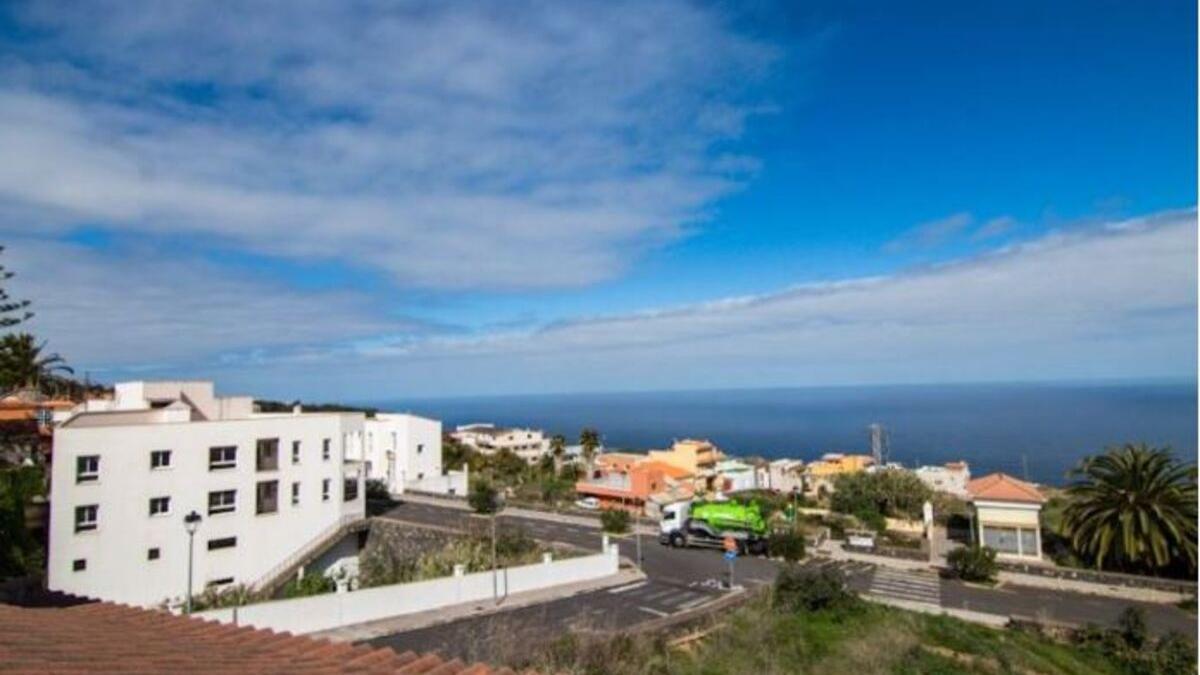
(309, 584)
(614, 521)
(973, 563)
(800, 589)
(788, 545)
(483, 498)
(377, 490)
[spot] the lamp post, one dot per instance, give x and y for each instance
(191, 522)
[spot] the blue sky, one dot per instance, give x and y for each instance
(374, 200)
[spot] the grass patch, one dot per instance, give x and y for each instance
(853, 639)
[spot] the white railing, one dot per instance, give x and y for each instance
(308, 549)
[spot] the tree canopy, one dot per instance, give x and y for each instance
(1133, 508)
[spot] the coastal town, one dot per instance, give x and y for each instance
(635, 337)
(166, 496)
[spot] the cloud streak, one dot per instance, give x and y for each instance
(442, 143)
(1112, 301)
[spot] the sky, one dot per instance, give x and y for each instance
(376, 200)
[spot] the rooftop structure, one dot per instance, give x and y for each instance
(103, 637)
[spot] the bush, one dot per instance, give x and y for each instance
(888, 493)
(483, 498)
(800, 589)
(377, 490)
(614, 521)
(787, 545)
(309, 584)
(973, 563)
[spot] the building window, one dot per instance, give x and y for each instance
(325, 448)
(223, 581)
(223, 542)
(295, 452)
(325, 490)
(160, 506)
(153, 554)
(160, 459)
(420, 448)
(267, 497)
(87, 468)
(222, 501)
(223, 457)
(295, 494)
(266, 455)
(1003, 539)
(79, 564)
(86, 517)
(349, 489)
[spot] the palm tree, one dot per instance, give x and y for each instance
(589, 438)
(1135, 508)
(558, 446)
(22, 363)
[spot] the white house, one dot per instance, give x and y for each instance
(951, 477)
(528, 444)
(125, 472)
(783, 475)
(1007, 516)
(405, 452)
(735, 476)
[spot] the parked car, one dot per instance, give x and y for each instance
(590, 503)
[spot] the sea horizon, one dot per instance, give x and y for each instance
(1037, 430)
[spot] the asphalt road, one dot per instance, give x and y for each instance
(681, 579)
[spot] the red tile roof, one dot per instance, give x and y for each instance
(1002, 487)
(103, 637)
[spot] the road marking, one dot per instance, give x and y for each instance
(655, 612)
(628, 587)
(697, 602)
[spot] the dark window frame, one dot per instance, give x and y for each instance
(217, 460)
(266, 454)
(155, 455)
(164, 512)
(266, 497)
(222, 507)
(82, 525)
(87, 476)
(222, 543)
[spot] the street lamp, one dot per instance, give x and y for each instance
(191, 523)
(496, 507)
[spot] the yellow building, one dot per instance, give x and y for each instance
(698, 458)
(836, 464)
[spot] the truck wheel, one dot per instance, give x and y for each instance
(677, 540)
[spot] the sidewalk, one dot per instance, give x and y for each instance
(407, 622)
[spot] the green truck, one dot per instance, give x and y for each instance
(710, 524)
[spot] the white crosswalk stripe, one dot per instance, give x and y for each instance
(911, 585)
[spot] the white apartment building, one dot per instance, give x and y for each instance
(125, 472)
(405, 452)
(528, 444)
(951, 477)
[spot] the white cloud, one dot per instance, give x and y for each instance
(932, 233)
(454, 146)
(136, 311)
(1112, 301)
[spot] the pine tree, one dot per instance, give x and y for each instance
(12, 312)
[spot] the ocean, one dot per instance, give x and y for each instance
(1034, 430)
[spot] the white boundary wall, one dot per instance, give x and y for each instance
(334, 610)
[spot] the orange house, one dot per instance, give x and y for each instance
(624, 490)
